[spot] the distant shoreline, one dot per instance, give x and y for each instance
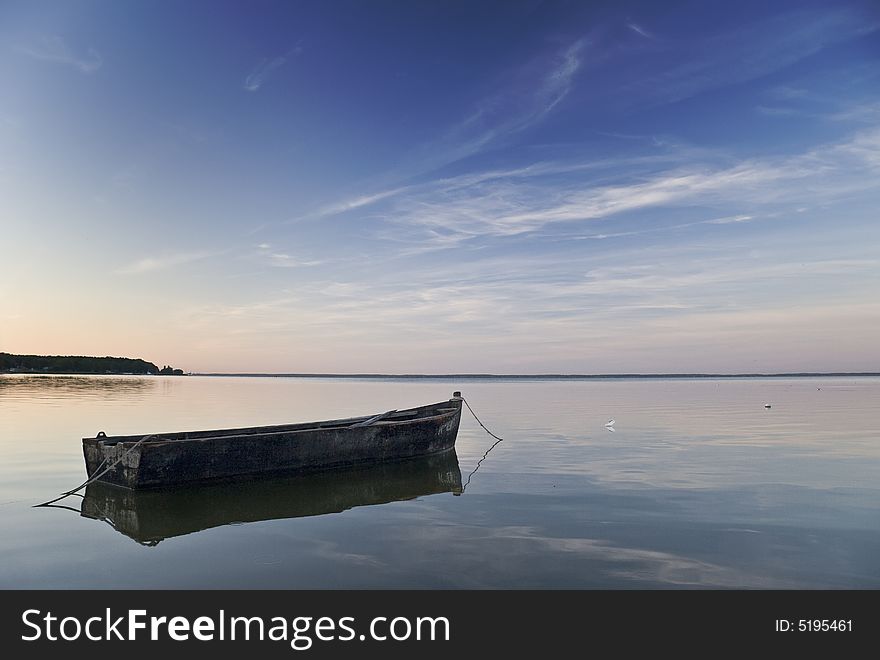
(82, 365)
(542, 376)
(835, 374)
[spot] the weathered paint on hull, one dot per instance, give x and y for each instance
(149, 516)
(179, 458)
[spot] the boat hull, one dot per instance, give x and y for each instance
(176, 458)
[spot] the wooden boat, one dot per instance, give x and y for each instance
(163, 459)
(150, 516)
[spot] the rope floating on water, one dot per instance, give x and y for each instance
(98, 472)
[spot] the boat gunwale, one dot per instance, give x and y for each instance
(342, 424)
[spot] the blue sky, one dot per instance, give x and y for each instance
(511, 187)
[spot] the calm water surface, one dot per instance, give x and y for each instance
(699, 486)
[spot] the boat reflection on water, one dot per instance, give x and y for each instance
(153, 515)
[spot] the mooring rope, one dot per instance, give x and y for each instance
(479, 422)
(497, 442)
(98, 472)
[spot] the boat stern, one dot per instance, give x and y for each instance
(99, 453)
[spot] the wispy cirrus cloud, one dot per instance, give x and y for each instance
(53, 48)
(570, 309)
(261, 72)
(535, 91)
(559, 80)
(529, 96)
(452, 212)
(525, 200)
(523, 99)
(727, 220)
(746, 53)
(828, 100)
(522, 103)
(731, 219)
(787, 92)
(638, 29)
(164, 262)
(267, 254)
(868, 113)
(282, 260)
(354, 203)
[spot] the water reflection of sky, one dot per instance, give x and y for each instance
(700, 486)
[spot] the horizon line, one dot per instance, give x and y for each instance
(800, 374)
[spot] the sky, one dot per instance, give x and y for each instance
(442, 187)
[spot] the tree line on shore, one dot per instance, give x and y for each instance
(79, 364)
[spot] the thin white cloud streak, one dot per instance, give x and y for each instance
(729, 220)
(52, 48)
(351, 204)
(862, 113)
(559, 82)
(541, 169)
(639, 30)
(735, 219)
(163, 262)
(261, 72)
(281, 260)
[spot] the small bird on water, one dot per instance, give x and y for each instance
(766, 405)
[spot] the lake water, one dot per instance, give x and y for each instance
(698, 486)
